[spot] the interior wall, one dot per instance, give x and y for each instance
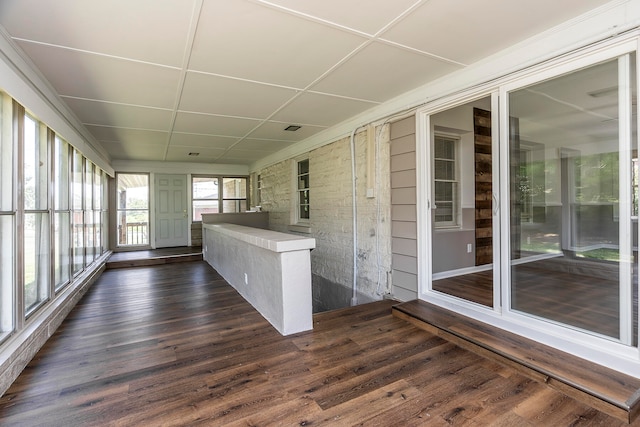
(331, 218)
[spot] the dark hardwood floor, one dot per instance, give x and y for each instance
(176, 345)
(578, 299)
(150, 257)
(155, 253)
(475, 287)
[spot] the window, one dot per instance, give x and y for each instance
(258, 190)
(209, 198)
(133, 209)
(36, 216)
(303, 190)
(7, 218)
(46, 214)
(234, 194)
(61, 215)
(205, 196)
(445, 181)
(77, 215)
(89, 226)
(97, 211)
(634, 186)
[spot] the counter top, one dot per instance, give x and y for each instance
(272, 240)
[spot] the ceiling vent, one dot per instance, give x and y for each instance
(194, 154)
(292, 128)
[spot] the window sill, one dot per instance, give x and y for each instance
(300, 228)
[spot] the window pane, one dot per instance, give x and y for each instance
(78, 241)
(570, 254)
(205, 188)
(62, 249)
(133, 191)
(444, 148)
(234, 188)
(61, 174)
(36, 259)
(97, 244)
(444, 169)
(89, 237)
(6, 274)
(35, 165)
(133, 227)
(6, 154)
(204, 207)
(234, 205)
(97, 188)
(88, 185)
(77, 180)
(105, 231)
(303, 167)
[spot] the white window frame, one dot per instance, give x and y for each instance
(297, 223)
(210, 199)
(455, 199)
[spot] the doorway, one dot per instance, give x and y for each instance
(463, 216)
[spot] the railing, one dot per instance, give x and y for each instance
(133, 233)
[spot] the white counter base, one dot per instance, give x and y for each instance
(271, 270)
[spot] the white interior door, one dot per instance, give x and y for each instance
(171, 211)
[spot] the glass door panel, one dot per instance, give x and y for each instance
(572, 219)
(462, 208)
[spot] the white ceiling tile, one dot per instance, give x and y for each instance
(369, 17)
(120, 115)
(263, 145)
(275, 130)
(320, 110)
(248, 155)
(146, 30)
(83, 75)
(133, 136)
(206, 155)
(476, 29)
(130, 151)
(192, 140)
(381, 71)
(218, 95)
(247, 40)
(232, 161)
(213, 125)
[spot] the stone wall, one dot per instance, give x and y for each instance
(331, 222)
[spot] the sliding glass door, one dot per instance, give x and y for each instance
(573, 203)
(463, 217)
(527, 204)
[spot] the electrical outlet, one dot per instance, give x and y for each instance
(469, 248)
(246, 279)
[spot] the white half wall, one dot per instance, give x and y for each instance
(271, 270)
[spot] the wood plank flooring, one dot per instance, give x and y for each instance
(176, 345)
(611, 391)
(154, 257)
(588, 302)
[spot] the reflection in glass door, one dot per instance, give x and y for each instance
(573, 225)
(462, 231)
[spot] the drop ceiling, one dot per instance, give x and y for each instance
(159, 79)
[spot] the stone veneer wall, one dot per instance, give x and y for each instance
(332, 220)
